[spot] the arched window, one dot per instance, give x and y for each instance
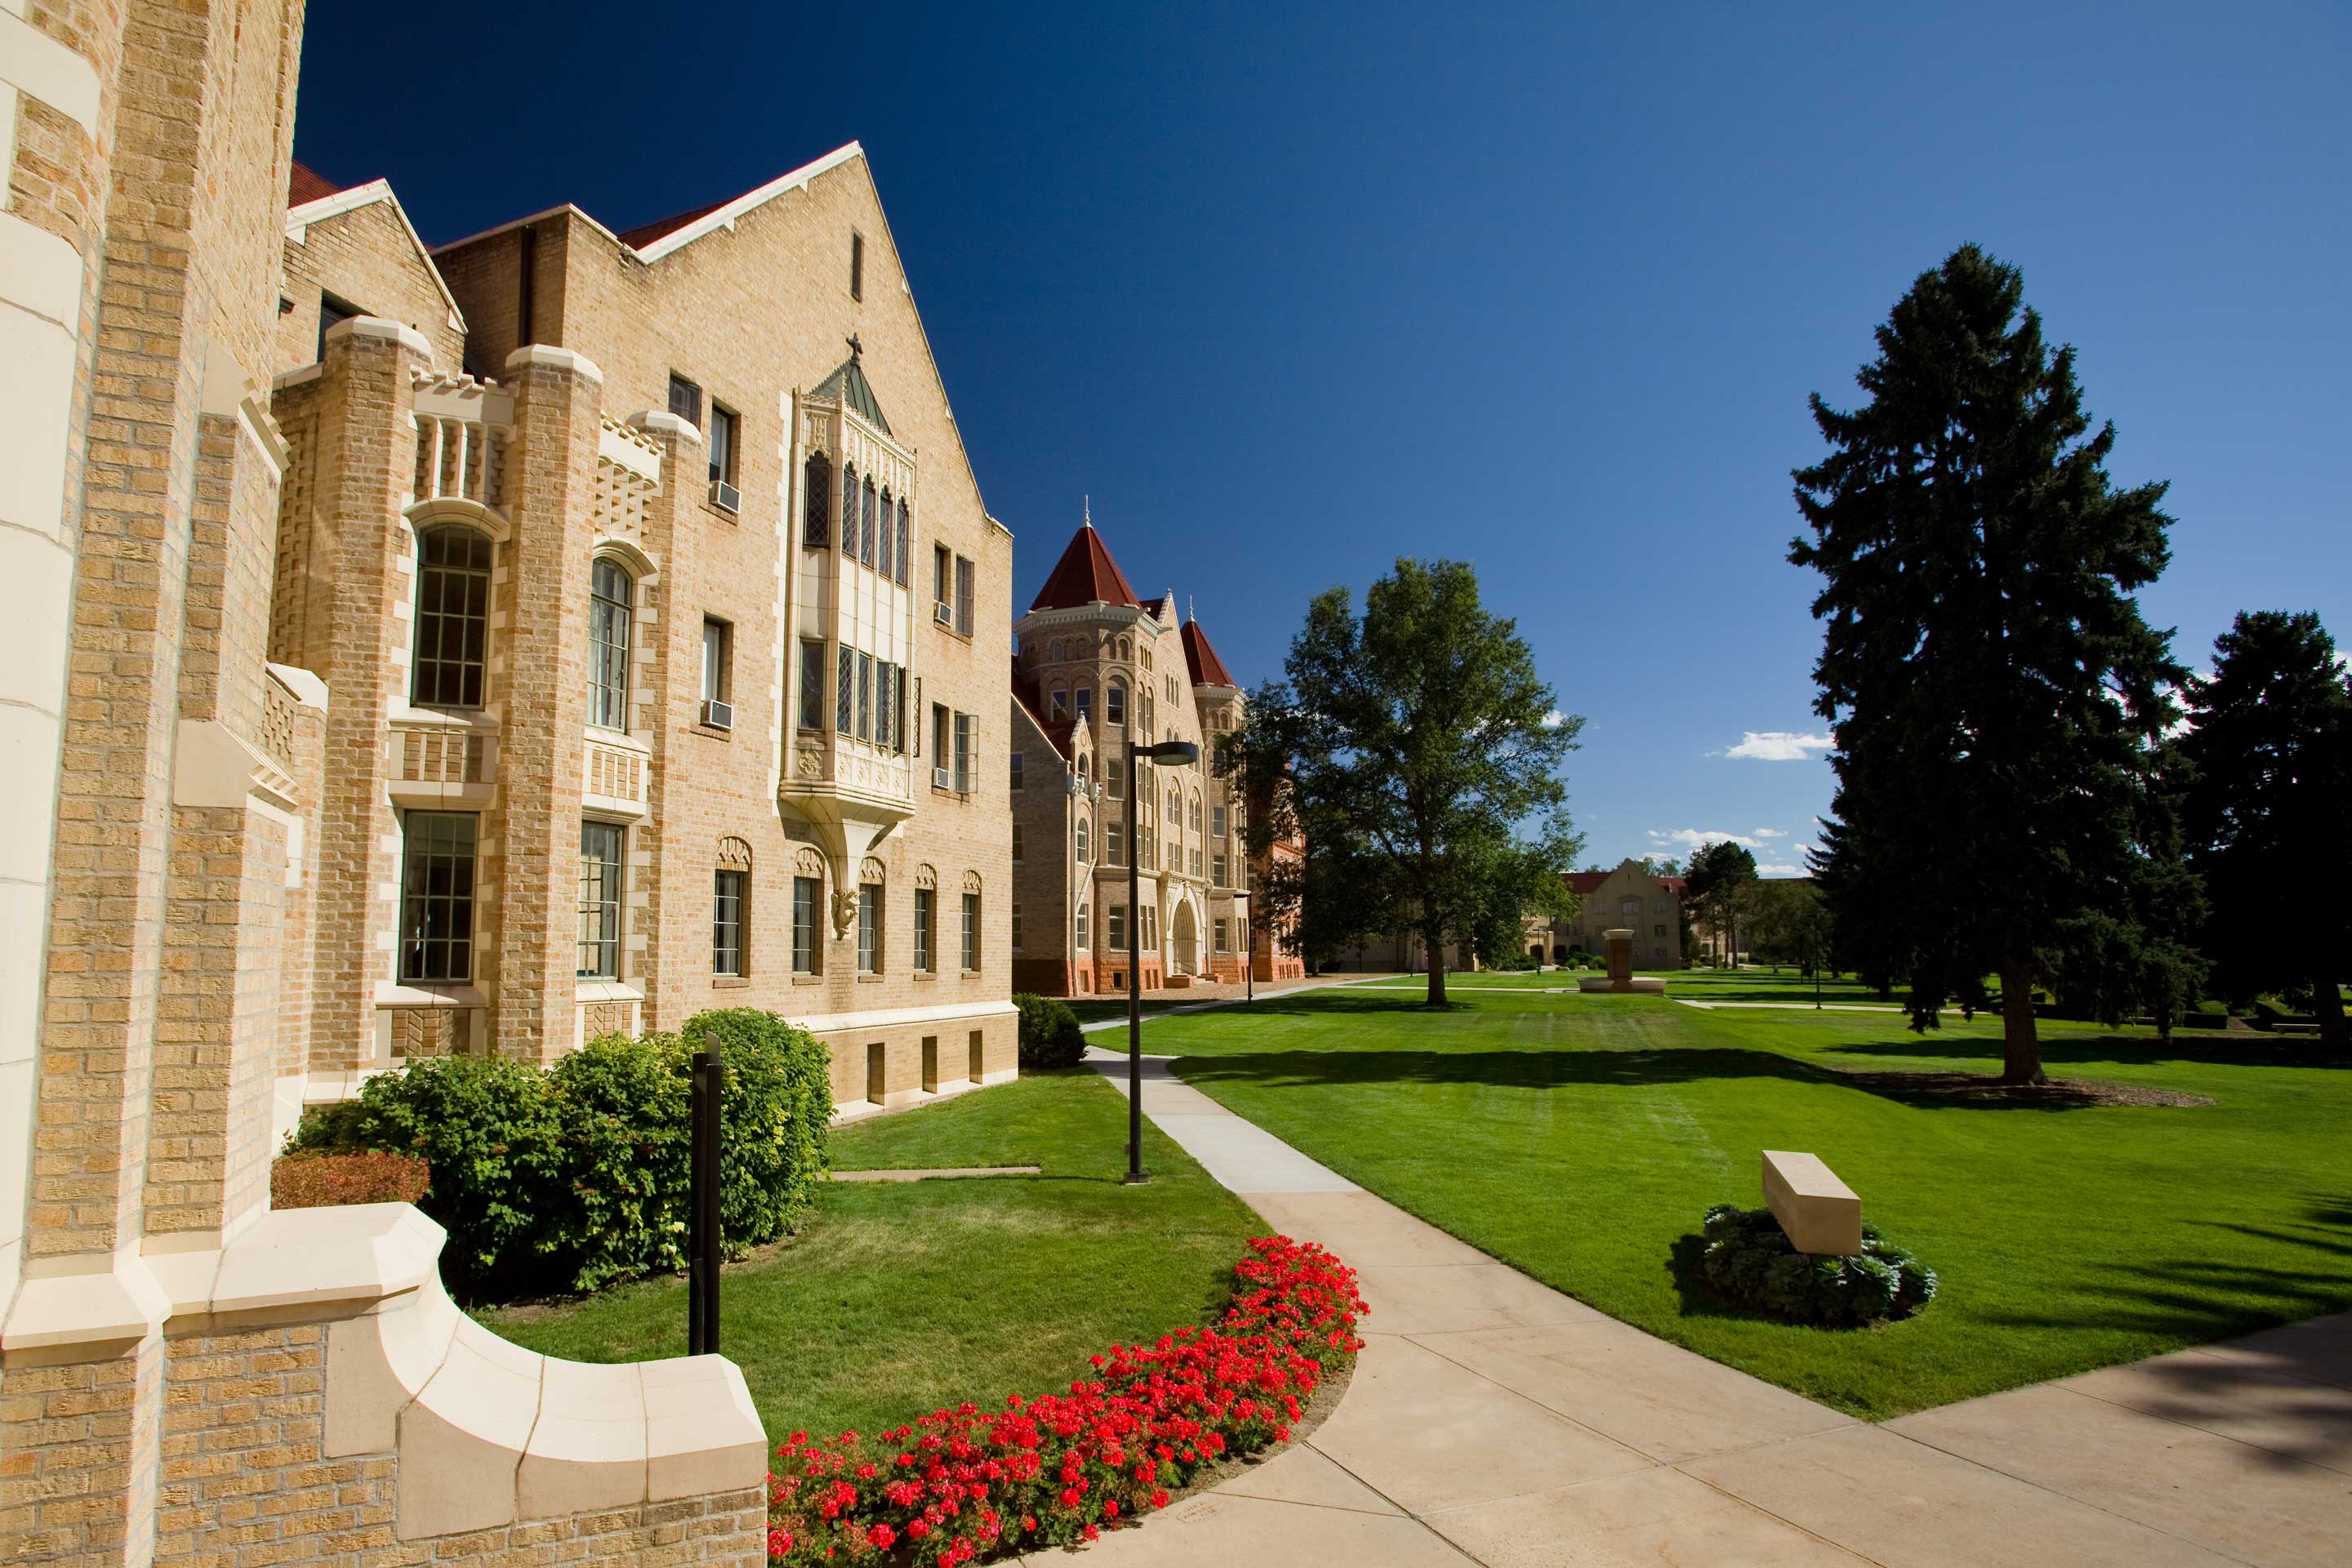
(849, 510)
(453, 617)
(1126, 648)
(1085, 853)
(816, 502)
(1175, 807)
(612, 601)
(1115, 702)
(1196, 814)
(889, 536)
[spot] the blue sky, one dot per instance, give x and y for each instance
(1294, 290)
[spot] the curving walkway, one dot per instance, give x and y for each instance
(1493, 1420)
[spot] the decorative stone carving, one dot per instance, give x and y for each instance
(735, 854)
(844, 912)
(926, 877)
(872, 870)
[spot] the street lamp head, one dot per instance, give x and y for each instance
(1172, 753)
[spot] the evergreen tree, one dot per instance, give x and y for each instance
(2269, 810)
(1996, 697)
(1414, 741)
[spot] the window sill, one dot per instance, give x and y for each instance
(725, 513)
(729, 982)
(808, 979)
(712, 731)
(924, 976)
(870, 980)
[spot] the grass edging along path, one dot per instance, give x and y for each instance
(900, 1296)
(1581, 1139)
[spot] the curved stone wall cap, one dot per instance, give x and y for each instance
(407, 336)
(554, 358)
(356, 1252)
(303, 685)
(702, 1433)
(588, 1448)
(461, 1439)
(663, 422)
(117, 1300)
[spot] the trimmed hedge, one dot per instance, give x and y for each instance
(576, 1177)
(1748, 1258)
(1050, 1035)
(325, 1180)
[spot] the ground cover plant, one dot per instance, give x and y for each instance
(1748, 1258)
(895, 1296)
(1579, 1137)
(1056, 1470)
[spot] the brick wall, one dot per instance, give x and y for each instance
(363, 258)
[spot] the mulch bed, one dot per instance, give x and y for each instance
(1976, 1087)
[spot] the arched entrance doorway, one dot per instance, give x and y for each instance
(1187, 932)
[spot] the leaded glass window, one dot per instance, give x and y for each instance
(453, 617)
(816, 502)
(865, 526)
(890, 505)
(906, 550)
(848, 510)
(612, 601)
(600, 900)
(845, 720)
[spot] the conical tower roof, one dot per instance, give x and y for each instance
(1207, 669)
(1086, 575)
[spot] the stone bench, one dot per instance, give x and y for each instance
(1817, 1213)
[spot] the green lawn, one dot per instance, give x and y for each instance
(1094, 1009)
(900, 1298)
(1580, 1138)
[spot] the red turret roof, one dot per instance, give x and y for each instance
(1207, 669)
(1086, 575)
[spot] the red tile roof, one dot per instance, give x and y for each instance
(1056, 730)
(645, 234)
(1207, 669)
(304, 184)
(1086, 575)
(1586, 881)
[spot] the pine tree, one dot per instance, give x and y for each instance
(1996, 697)
(2269, 810)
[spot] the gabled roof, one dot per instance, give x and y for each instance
(848, 384)
(1032, 702)
(304, 184)
(1590, 881)
(1086, 575)
(1207, 669)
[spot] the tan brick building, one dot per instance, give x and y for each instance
(1095, 667)
(671, 638)
(352, 588)
(1631, 897)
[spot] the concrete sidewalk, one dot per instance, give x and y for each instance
(1493, 1420)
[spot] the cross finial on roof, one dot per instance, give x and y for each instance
(1188, 608)
(856, 348)
(1086, 512)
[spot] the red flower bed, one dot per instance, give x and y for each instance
(963, 1484)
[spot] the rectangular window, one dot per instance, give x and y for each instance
(886, 718)
(453, 617)
(906, 551)
(865, 695)
(1113, 843)
(942, 581)
(1016, 843)
(869, 927)
(1196, 862)
(1217, 867)
(1016, 925)
(333, 313)
(924, 899)
(686, 400)
(899, 707)
(1216, 821)
(1016, 772)
(965, 593)
(865, 526)
(940, 776)
(1221, 925)
(1085, 701)
(1082, 925)
(612, 600)
(436, 896)
(812, 684)
(1114, 927)
(600, 900)
(884, 552)
(971, 931)
(963, 728)
(1116, 772)
(1115, 703)
(727, 922)
(1057, 704)
(856, 264)
(717, 656)
(845, 718)
(804, 913)
(722, 444)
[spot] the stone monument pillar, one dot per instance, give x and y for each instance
(1620, 958)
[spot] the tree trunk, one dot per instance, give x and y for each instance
(1433, 940)
(2328, 1004)
(2020, 1047)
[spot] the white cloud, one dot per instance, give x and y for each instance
(1554, 719)
(1778, 746)
(1770, 833)
(1692, 838)
(1777, 869)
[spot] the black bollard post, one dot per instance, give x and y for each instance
(711, 1075)
(698, 1179)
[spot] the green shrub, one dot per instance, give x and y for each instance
(779, 1104)
(489, 1130)
(578, 1176)
(1050, 1035)
(1748, 1258)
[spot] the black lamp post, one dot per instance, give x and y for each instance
(1168, 754)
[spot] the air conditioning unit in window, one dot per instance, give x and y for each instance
(943, 613)
(941, 778)
(719, 715)
(725, 496)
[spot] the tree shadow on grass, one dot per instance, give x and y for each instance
(2204, 1049)
(1538, 1069)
